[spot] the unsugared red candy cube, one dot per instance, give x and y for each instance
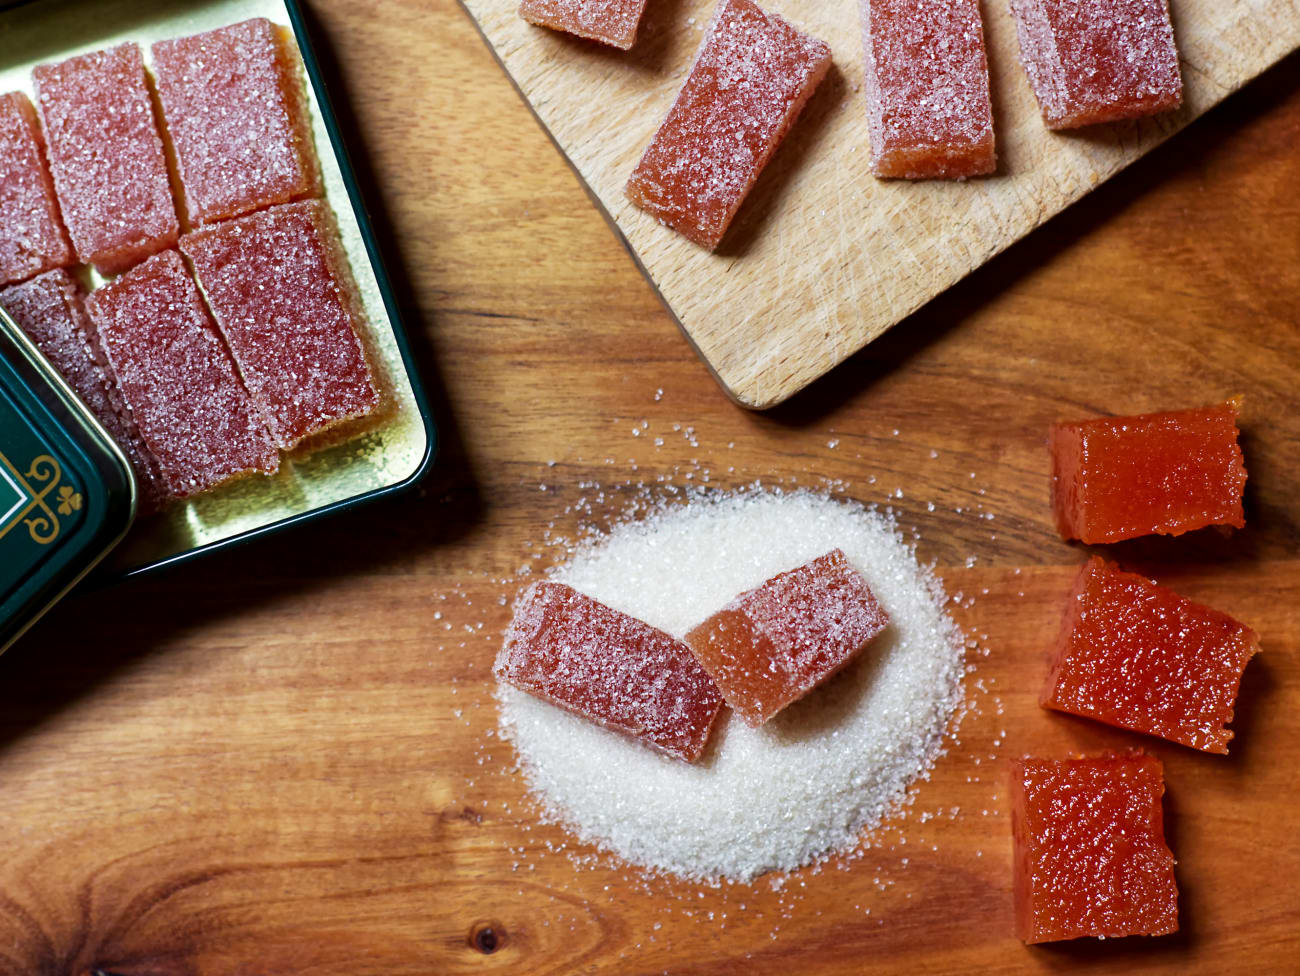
(1139, 656)
(749, 83)
(32, 239)
(1090, 851)
(774, 644)
(1100, 60)
(611, 668)
(612, 22)
(927, 87)
(280, 288)
(178, 379)
(1168, 473)
(234, 109)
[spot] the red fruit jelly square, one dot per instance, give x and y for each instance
(279, 286)
(50, 309)
(106, 157)
(32, 238)
(1090, 851)
(774, 644)
(609, 667)
(178, 379)
(1098, 61)
(927, 87)
(1139, 656)
(1121, 477)
(234, 110)
(612, 22)
(749, 83)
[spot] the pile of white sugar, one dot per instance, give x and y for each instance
(810, 781)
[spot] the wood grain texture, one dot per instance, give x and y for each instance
(281, 760)
(824, 258)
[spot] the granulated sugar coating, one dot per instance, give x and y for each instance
(807, 783)
(612, 22)
(31, 235)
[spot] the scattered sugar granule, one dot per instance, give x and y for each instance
(32, 239)
(612, 22)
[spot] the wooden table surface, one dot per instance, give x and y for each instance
(281, 760)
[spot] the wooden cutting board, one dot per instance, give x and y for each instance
(823, 257)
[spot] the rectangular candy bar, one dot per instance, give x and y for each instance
(750, 81)
(927, 88)
(612, 22)
(280, 289)
(178, 379)
(611, 668)
(107, 158)
(32, 238)
(1100, 60)
(234, 110)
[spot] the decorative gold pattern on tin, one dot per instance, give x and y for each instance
(43, 523)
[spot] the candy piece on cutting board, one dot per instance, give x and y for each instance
(1098, 61)
(178, 379)
(1117, 478)
(107, 157)
(279, 286)
(32, 238)
(1090, 851)
(50, 310)
(612, 22)
(750, 80)
(234, 110)
(774, 644)
(927, 87)
(1141, 657)
(613, 669)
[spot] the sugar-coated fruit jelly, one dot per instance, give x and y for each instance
(1098, 61)
(1139, 656)
(612, 22)
(775, 643)
(279, 286)
(178, 379)
(110, 174)
(749, 83)
(927, 87)
(1168, 473)
(235, 112)
(1090, 851)
(50, 310)
(32, 239)
(611, 668)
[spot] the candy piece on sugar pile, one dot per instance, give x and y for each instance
(234, 110)
(1089, 848)
(612, 22)
(927, 88)
(279, 287)
(32, 238)
(609, 667)
(1141, 657)
(1117, 478)
(1098, 61)
(177, 378)
(50, 309)
(750, 81)
(110, 174)
(774, 644)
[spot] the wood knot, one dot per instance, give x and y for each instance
(487, 937)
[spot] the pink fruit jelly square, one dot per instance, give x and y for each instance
(750, 81)
(927, 87)
(107, 157)
(1098, 61)
(611, 668)
(773, 645)
(280, 289)
(50, 309)
(234, 110)
(178, 379)
(32, 238)
(612, 22)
